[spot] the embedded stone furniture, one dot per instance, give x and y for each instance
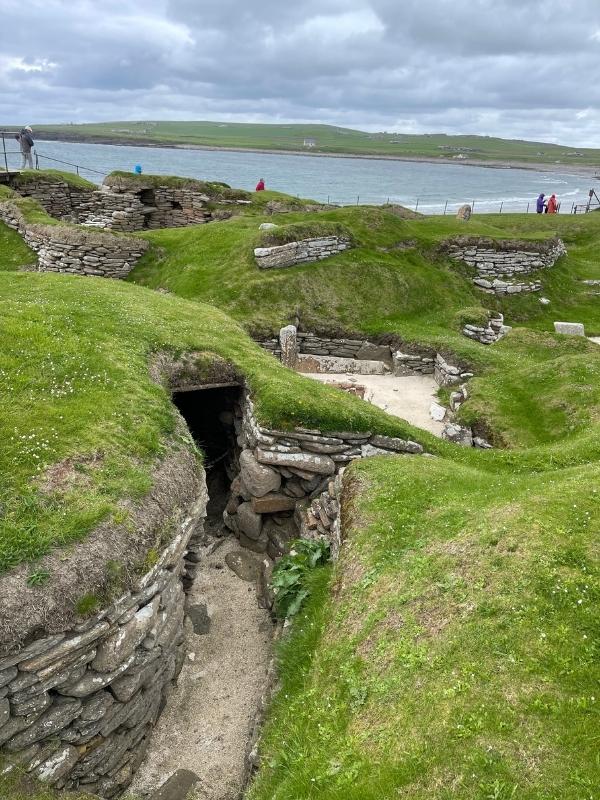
(492, 332)
(570, 328)
(304, 251)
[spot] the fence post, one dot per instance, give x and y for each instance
(501, 206)
(527, 208)
(357, 199)
(37, 161)
(327, 199)
(445, 208)
(473, 206)
(4, 151)
(417, 205)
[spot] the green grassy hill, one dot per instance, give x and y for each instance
(452, 650)
(327, 139)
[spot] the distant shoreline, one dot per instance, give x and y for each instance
(571, 169)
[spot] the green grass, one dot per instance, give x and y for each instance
(454, 651)
(72, 347)
(54, 176)
(329, 139)
(14, 253)
(375, 287)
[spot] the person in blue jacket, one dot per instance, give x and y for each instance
(540, 204)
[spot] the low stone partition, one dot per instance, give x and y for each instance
(305, 251)
(492, 332)
(79, 695)
(280, 470)
(446, 374)
(58, 198)
(65, 248)
(499, 260)
(307, 352)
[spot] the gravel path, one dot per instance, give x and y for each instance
(408, 397)
(206, 724)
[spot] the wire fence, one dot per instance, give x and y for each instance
(428, 205)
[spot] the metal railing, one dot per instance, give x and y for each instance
(37, 156)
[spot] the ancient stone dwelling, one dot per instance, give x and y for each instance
(128, 203)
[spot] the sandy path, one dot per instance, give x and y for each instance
(408, 397)
(207, 722)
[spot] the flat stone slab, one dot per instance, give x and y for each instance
(242, 564)
(570, 328)
(177, 787)
(337, 364)
(199, 618)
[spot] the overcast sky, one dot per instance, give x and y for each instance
(514, 68)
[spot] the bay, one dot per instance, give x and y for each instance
(330, 179)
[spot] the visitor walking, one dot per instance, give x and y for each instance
(540, 204)
(260, 186)
(552, 205)
(25, 140)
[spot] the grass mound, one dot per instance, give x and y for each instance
(394, 280)
(131, 182)
(302, 230)
(53, 176)
(74, 361)
(453, 651)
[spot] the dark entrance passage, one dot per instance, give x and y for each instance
(209, 414)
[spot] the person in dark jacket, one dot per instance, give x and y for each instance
(539, 206)
(25, 140)
(260, 186)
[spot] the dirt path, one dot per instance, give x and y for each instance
(408, 397)
(207, 722)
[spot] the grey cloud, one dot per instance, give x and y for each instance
(510, 67)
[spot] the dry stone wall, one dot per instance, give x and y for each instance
(162, 207)
(57, 198)
(77, 708)
(280, 471)
(64, 248)
(492, 332)
(500, 262)
(304, 251)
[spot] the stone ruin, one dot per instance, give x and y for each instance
(128, 203)
(500, 264)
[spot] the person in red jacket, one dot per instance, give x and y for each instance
(260, 186)
(552, 205)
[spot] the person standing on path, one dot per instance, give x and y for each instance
(552, 205)
(260, 186)
(539, 205)
(25, 140)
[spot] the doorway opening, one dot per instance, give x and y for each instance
(210, 416)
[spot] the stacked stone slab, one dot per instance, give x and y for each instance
(159, 207)
(57, 198)
(278, 470)
(500, 262)
(492, 332)
(426, 362)
(321, 518)
(64, 248)
(446, 374)
(305, 251)
(78, 707)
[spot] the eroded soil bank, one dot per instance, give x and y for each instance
(208, 720)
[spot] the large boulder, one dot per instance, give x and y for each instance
(249, 522)
(259, 479)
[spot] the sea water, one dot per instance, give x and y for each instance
(434, 187)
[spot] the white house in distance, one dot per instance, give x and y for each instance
(310, 142)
